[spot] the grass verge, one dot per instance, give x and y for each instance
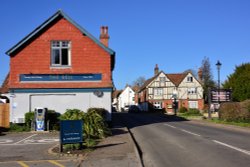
(241, 124)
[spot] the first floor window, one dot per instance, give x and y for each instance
(158, 91)
(60, 53)
(192, 104)
(192, 90)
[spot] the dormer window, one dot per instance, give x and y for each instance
(189, 79)
(60, 53)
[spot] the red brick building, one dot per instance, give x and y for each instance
(60, 65)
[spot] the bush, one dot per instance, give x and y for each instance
(72, 114)
(29, 117)
(18, 127)
(183, 110)
(95, 125)
(235, 111)
(192, 112)
(100, 111)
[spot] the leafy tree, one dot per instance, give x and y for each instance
(207, 77)
(139, 81)
(239, 82)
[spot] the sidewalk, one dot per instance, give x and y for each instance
(117, 150)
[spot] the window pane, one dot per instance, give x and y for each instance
(55, 56)
(65, 44)
(55, 44)
(65, 57)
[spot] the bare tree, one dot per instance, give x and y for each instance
(139, 81)
(206, 77)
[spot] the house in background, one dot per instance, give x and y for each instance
(115, 100)
(126, 98)
(4, 89)
(160, 91)
(60, 66)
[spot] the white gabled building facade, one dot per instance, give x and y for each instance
(126, 98)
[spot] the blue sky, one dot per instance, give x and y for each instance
(175, 34)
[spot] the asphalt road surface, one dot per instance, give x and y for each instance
(30, 149)
(171, 141)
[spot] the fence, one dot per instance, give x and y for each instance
(4, 115)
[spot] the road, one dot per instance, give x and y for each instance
(170, 141)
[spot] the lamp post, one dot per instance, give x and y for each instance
(218, 65)
(175, 101)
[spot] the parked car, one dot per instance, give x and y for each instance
(126, 108)
(134, 109)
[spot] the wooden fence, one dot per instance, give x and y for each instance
(5, 115)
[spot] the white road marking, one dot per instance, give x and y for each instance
(25, 139)
(232, 147)
(2, 141)
(170, 126)
(190, 133)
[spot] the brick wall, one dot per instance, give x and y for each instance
(86, 57)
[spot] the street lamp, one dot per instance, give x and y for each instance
(174, 96)
(218, 65)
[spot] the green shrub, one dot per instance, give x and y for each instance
(101, 111)
(235, 111)
(72, 114)
(192, 112)
(29, 117)
(18, 127)
(183, 110)
(95, 125)
(90, 142)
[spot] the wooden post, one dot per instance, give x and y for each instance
(209, 103)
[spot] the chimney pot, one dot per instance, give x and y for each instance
(156, 70)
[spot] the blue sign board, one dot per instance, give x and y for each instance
(71, 131)
(60, 77)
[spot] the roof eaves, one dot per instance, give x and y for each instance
(34, 32)
(47, 22)
(84, 31)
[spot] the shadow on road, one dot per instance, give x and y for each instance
(132, 120)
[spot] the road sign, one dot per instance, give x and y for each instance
(222, 95)
(71, 131)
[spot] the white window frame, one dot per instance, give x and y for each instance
(193, 104)
(192, 91)
(190, 79)
(157, 105)
(60, 45)
(158, 91)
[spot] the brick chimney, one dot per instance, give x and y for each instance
(104, 36)
(156, 70)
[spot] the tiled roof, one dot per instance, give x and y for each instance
(116, 93)
(146, 83)
(5, 85)
(136, 88)
(176, 78)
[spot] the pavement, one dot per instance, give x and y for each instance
(116, 150)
